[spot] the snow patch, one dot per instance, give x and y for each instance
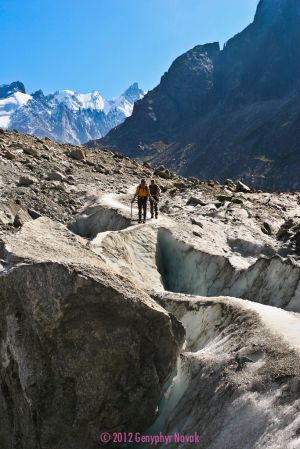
(76, 101)
(9, 105)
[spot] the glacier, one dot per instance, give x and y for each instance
(219, 269)
(239, 366)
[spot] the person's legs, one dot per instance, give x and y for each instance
(152, 206)
(156, 207)
(140, 205)
(144, 208)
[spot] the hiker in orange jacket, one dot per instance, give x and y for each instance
(142, 193)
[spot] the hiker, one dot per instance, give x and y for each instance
(142, 193)
(154, 199)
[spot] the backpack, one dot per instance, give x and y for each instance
(143, 191)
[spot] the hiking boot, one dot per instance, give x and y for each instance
(152, 216)
(144, 221)
(140, 221)
(156, 216)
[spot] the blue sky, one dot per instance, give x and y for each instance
(108, 44)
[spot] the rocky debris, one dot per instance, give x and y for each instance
(77, 334)
(26, 181)
(31, 151)
(8, 211)
(290, 232)
(56, 176)
(193, 201)
(197, 223)
(21, 218)
(60, 200)
(288, 229)
(9, 155)
(34, 214)
(267, 228)
(237, 201)
(118, 156)
(77, 154)
(230, 185)
(163, 172)
(11, 213)
(181, 185)
(241, 187)
(224, 198)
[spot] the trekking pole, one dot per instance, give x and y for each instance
(131, 212)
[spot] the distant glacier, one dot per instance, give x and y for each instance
(65, 116)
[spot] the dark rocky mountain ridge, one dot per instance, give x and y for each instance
(230, 113)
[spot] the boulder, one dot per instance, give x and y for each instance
(26, 181)
(9, 155)
(83, 350)
(267, 228)
(22, 216)
(230, 185)
(224, 198)
(180, 185)
(237, 201)
(118, 156)
(193, 201)
(162, 173)
(77, 154)
(241, 187)
(31, 151)
(147, 165)
(8, 211)
(34, 214)
(56, 176)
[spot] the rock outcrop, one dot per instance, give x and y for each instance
(81, 347)
(230, 113)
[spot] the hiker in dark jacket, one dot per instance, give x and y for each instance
(154, 199)
(142, 193)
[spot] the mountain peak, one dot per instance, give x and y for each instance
(268, 10)
(6, 90)
(211, 48)
(133, 93)
(196, 58)
(38, 95)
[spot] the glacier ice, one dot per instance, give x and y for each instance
(237, 381)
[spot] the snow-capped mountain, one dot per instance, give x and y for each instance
(65, 116)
